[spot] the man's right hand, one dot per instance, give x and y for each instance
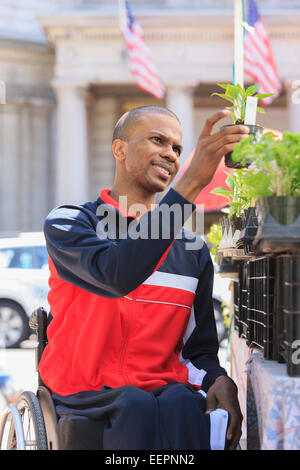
(210, 149)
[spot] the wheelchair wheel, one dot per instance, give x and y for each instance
(11, 429)
(29, 409)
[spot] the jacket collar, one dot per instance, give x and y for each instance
(107, 199)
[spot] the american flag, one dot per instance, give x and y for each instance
(259, 62)
(140, 60)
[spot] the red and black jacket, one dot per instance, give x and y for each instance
(127, 310)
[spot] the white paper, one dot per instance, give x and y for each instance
(250, 112)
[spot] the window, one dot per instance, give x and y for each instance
(25, 257)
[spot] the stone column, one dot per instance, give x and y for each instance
(180, 100)
(71, 149)
(293, 103)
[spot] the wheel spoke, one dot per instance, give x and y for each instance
(30, 439)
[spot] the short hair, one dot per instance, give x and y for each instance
(125, 123)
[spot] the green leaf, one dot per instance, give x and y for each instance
(233, 116)
(241, 93)
(222, 85)
(223, 192)
(225, 97)
(263, 95)
(251, 90)
(260, 110)
(230, 181)
(232, 91)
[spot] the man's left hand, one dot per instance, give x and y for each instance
(223, 394)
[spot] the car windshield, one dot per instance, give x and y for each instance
(24, 257)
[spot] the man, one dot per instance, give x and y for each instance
(133, 342)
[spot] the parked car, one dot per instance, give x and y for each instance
(24, 275)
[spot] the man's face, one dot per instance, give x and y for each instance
(152, 152)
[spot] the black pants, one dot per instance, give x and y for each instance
(128, 418)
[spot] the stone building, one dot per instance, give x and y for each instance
(67, 82)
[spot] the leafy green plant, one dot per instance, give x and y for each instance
(214, 236)
(275, 167)
(237, 194)
(237, 96)
(227, 315)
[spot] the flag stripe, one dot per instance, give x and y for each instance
(136, 56)
(259, 62)
(267, 74)
(146, 83)
(140, 60)
(252, 50)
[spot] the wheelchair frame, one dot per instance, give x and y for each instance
(31, 424)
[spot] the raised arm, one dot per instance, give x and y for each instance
(111, 268)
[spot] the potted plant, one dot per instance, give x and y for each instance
(273, 178)
(249, 231)
(239, 199)
(226, 267)
(214, 237)
(237, 96)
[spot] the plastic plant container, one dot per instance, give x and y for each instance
(257, 132)
(261, 278)
(279, 224)
(236, 305)
(243, 301)
(248, 232)
(291, 312)
(278, 340)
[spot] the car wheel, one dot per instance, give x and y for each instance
(14, 326)
(222, 331)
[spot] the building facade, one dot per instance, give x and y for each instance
(67, 81)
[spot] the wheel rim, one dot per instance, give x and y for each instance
(32, 419)
(11, 326)
(11, 429)
(29, 430)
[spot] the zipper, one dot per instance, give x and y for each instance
(130, 325)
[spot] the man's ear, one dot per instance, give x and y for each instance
(119, 149)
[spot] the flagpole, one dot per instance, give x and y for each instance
(238, 43)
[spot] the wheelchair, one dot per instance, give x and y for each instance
(31, 423)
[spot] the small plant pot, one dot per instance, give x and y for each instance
(278, 224)
(236, 227)
(257, 132)
(227, 267)
(248, 231)
(225, 226)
